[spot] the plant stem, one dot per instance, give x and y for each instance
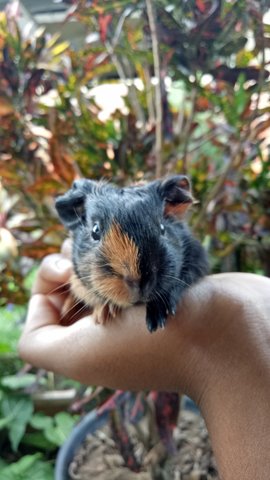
(186, 132)
(131, 88)
(249, 136)
(158, 87)
(149, 95)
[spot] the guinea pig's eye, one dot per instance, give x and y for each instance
(162, 229)
(96, 232)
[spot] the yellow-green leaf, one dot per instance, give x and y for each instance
(52, 41)
(60, 48)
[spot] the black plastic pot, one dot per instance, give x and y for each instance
(88, 425)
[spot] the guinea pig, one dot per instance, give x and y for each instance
(131, 245)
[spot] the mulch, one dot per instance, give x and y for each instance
(98, 458)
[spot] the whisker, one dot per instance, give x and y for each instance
(75, 313)
(60, 287)
(176, 278)
(157, 296)
(78, 302)
(79, 218)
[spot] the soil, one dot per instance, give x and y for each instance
(98, 458)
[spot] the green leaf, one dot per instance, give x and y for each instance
(58, 433)
(233, 46)
(30, 278)
(241, 96)
(65, 422)
(9, 329)
(28, 467)
(38, 440)
(15, 382)
(19, 410)
(2, 464)
(5, 421)
(40, 421)
(17, 470)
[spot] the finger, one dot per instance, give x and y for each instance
(40, 329)
(66, 249)
(41, 312)
(54, 271)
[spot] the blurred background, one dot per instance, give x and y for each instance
(125, 90)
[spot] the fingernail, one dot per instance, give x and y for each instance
(63, 264)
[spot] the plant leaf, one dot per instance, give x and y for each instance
(40, 421)
(60, 48)
(38, 440)
(58, 433)
(19, 409)
(29, 466)
(15, 382)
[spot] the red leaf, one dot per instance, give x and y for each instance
(200, 4)
(38, 250)
(46, 185)
(104, 21)
(63, 163)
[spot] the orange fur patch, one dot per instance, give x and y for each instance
(121, 253)
(115, 290)
(176, 210)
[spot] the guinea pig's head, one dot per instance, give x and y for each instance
(124, 241)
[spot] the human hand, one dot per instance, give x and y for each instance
(84, 350)
(123, 354)
(215, 349)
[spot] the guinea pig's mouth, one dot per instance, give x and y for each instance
(123, 291)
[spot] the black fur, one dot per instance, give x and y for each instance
(171, 259)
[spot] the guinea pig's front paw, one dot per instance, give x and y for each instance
(104, 313)
(100, 314)
(155, 317)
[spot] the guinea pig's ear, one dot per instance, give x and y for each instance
(71, 206)
(176, 191)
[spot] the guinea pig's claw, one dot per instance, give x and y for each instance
(156, 322)
(151, 326)
(161, 322)
(99, 315)
(155, 317)
(113, 310)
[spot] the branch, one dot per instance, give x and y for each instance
(220, 183)
(213, 194)
(132, 93)
(158, 87)
(149, 94)
(186, 131)
(247, 136)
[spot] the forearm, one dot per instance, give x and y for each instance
(236, 412)
(236, 402)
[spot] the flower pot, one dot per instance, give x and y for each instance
(91, 422)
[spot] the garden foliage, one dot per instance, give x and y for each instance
(207, 115)
(214, 123)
